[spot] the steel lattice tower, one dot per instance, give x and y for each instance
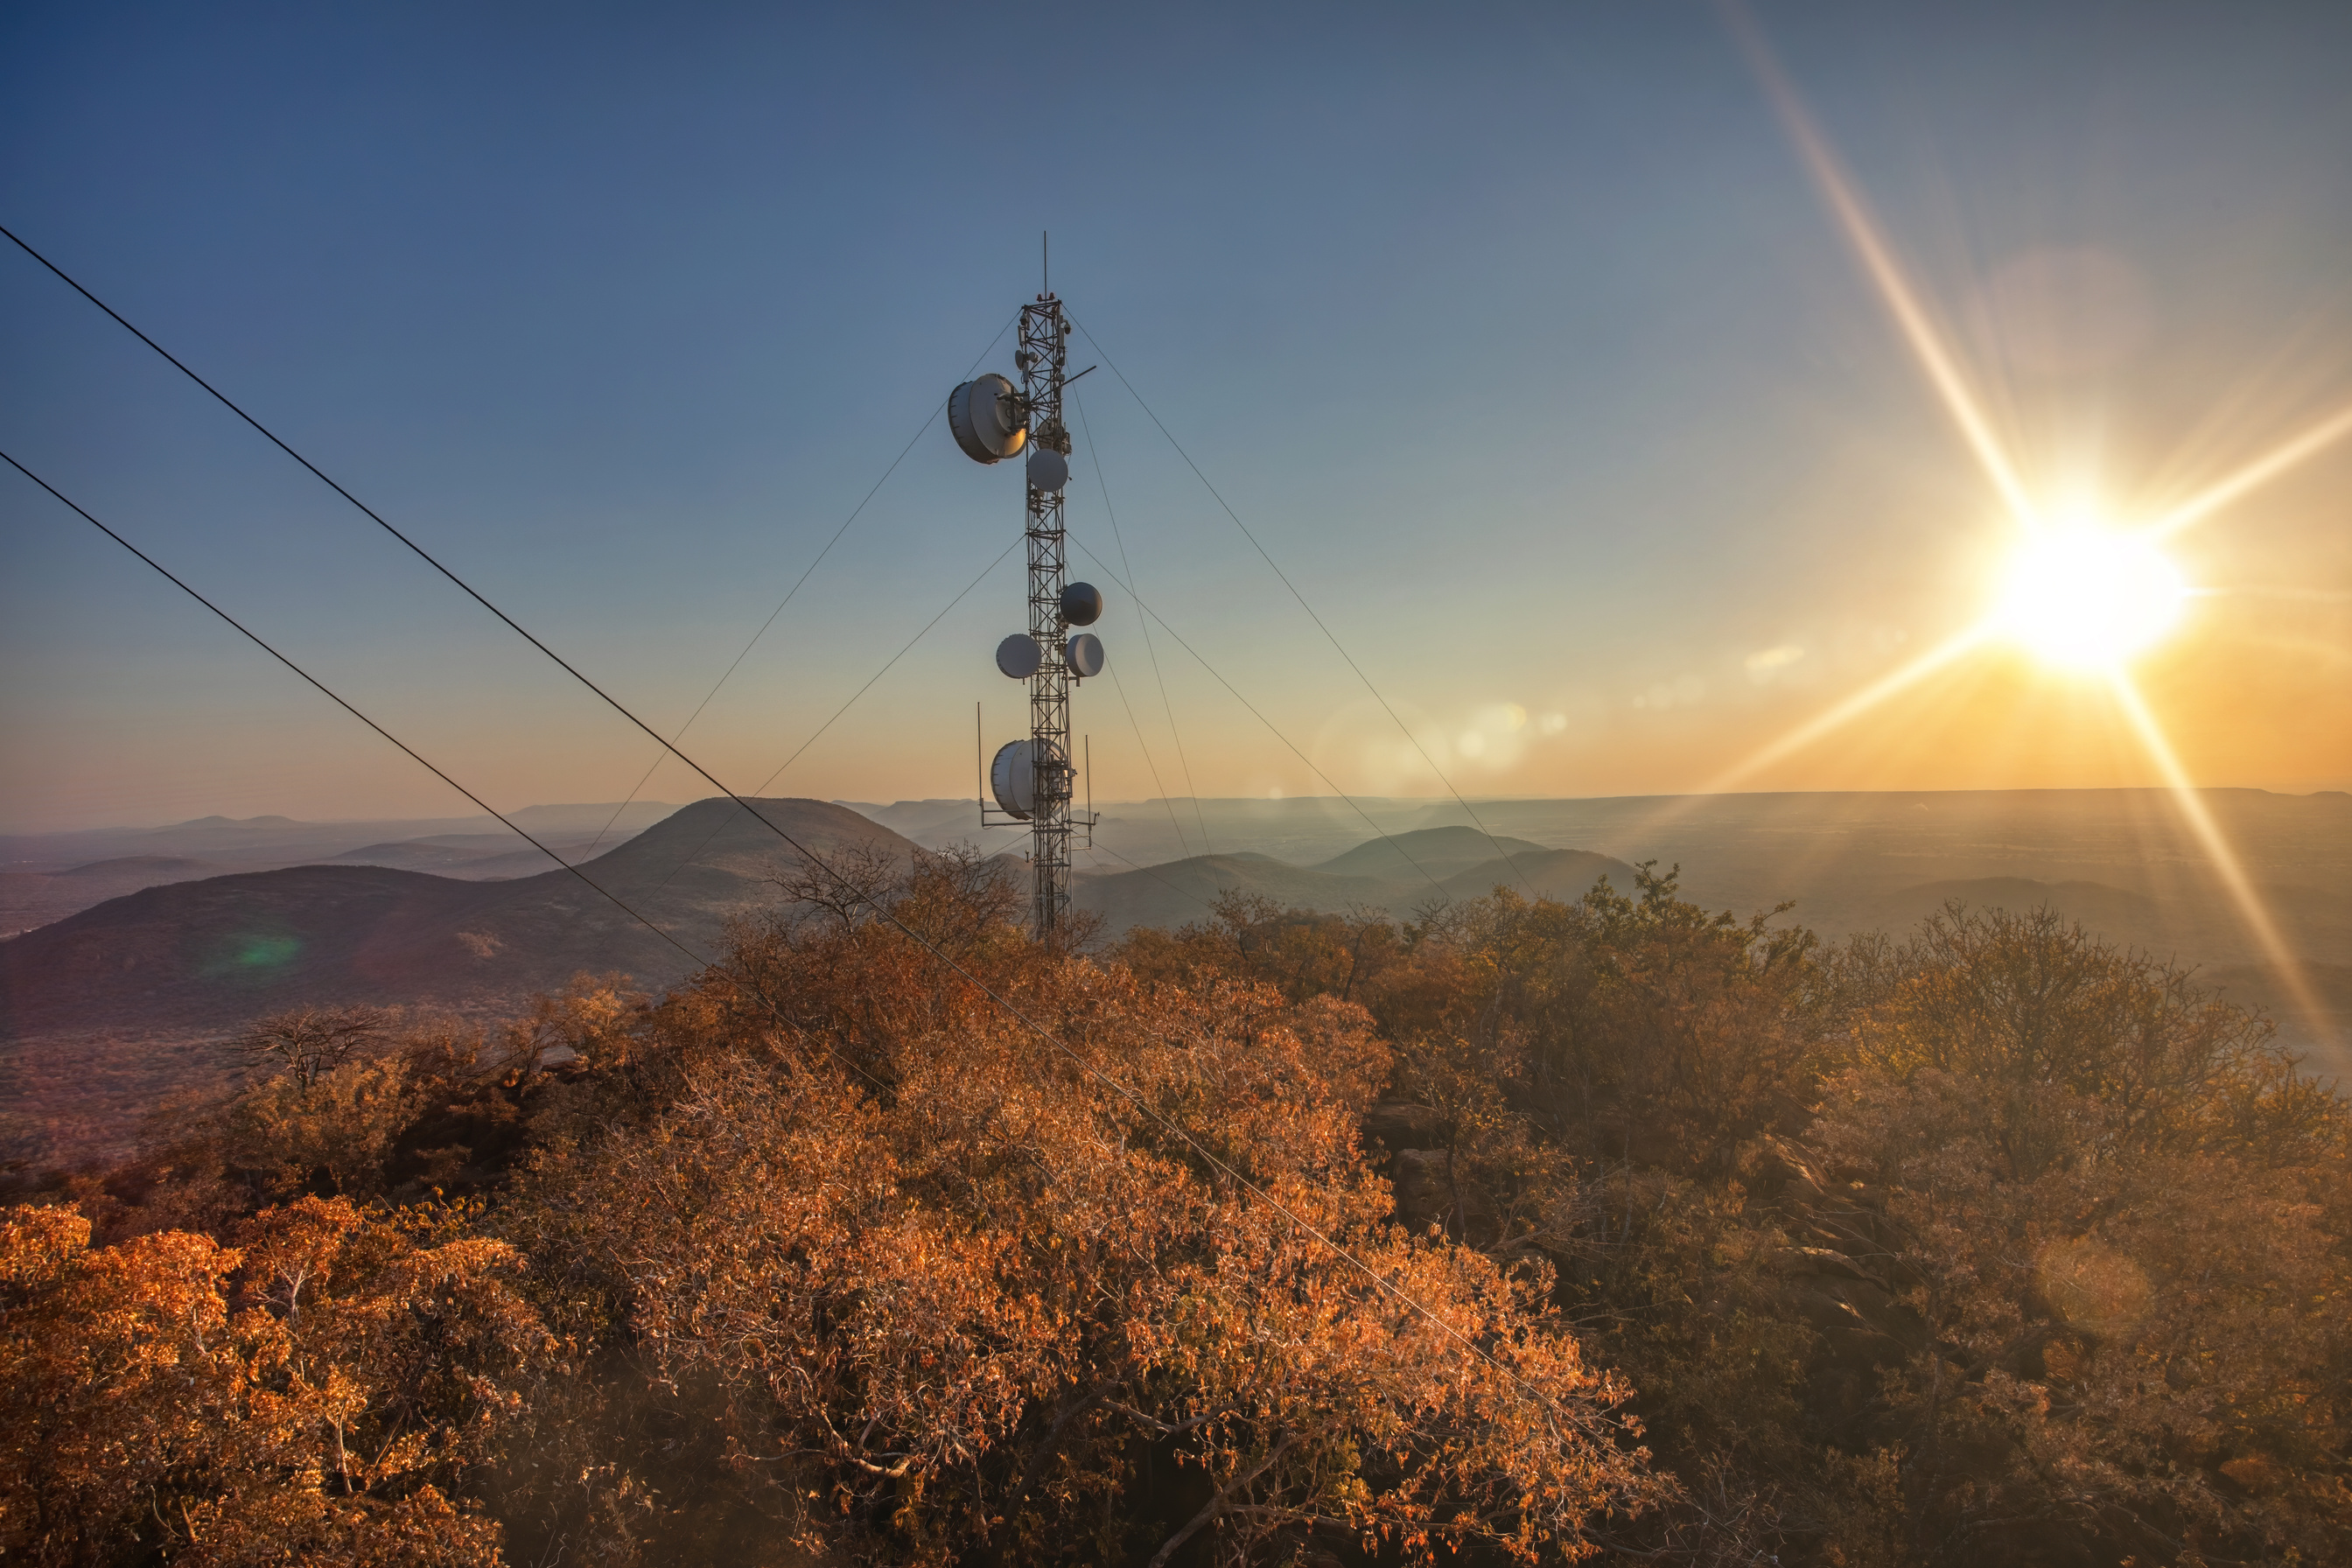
(1044, 359)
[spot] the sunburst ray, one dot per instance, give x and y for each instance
(1855, 707)
(1936, 361)
(2251, 907)
(1942, 369)
(2286, 455)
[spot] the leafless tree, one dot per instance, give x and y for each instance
(308, 1042)
(846, 887)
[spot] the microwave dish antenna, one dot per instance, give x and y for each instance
(1049, 471)
(1032, 780)
(1019, 656)
(1012, 779)
(986, 417)
(1020, 768)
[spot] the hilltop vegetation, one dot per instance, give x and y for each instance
(1521, 1230)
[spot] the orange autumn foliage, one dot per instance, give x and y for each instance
(1283, 1238)
(961, 1289)
(304, 1396)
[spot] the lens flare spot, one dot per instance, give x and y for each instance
(250, 955)
(2087, 598)
(264, 952)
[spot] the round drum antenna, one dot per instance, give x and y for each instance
(985, 417)
(1012, 777)
(1013, 781)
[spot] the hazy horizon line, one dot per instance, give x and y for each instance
(1252, 801)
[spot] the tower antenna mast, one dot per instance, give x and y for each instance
(992, 420)
(1042, 356)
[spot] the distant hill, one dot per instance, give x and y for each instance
(104, 1009)
(1564, 874)
(1439, 851)
(225, 948)
(167, 868)
(1395, 876)
(98, 1011)
(45, 877)
(478, 857)
(30, 899)
(1182, 892)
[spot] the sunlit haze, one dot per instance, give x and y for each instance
(1647, 400)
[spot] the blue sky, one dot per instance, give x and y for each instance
(1518, 335)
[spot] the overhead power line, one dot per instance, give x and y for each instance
(1379, 1281)
(619, 903)
(422, 553)
(790, 593)
(1053, 1042)
(414, 755)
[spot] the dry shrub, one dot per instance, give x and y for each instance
(963, 1294)
(305, 1396)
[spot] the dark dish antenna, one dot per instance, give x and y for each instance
(1032, 780)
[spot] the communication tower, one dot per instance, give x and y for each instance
(1032, 781)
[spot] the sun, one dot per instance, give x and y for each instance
(2089, 597)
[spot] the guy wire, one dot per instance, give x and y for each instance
(790, 593)
(1269, 724)
(1094, 455)
(1328, 633)
(763, 785)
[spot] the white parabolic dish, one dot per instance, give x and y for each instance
(1019, 656)
(1049, 470)
(1086, 655)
